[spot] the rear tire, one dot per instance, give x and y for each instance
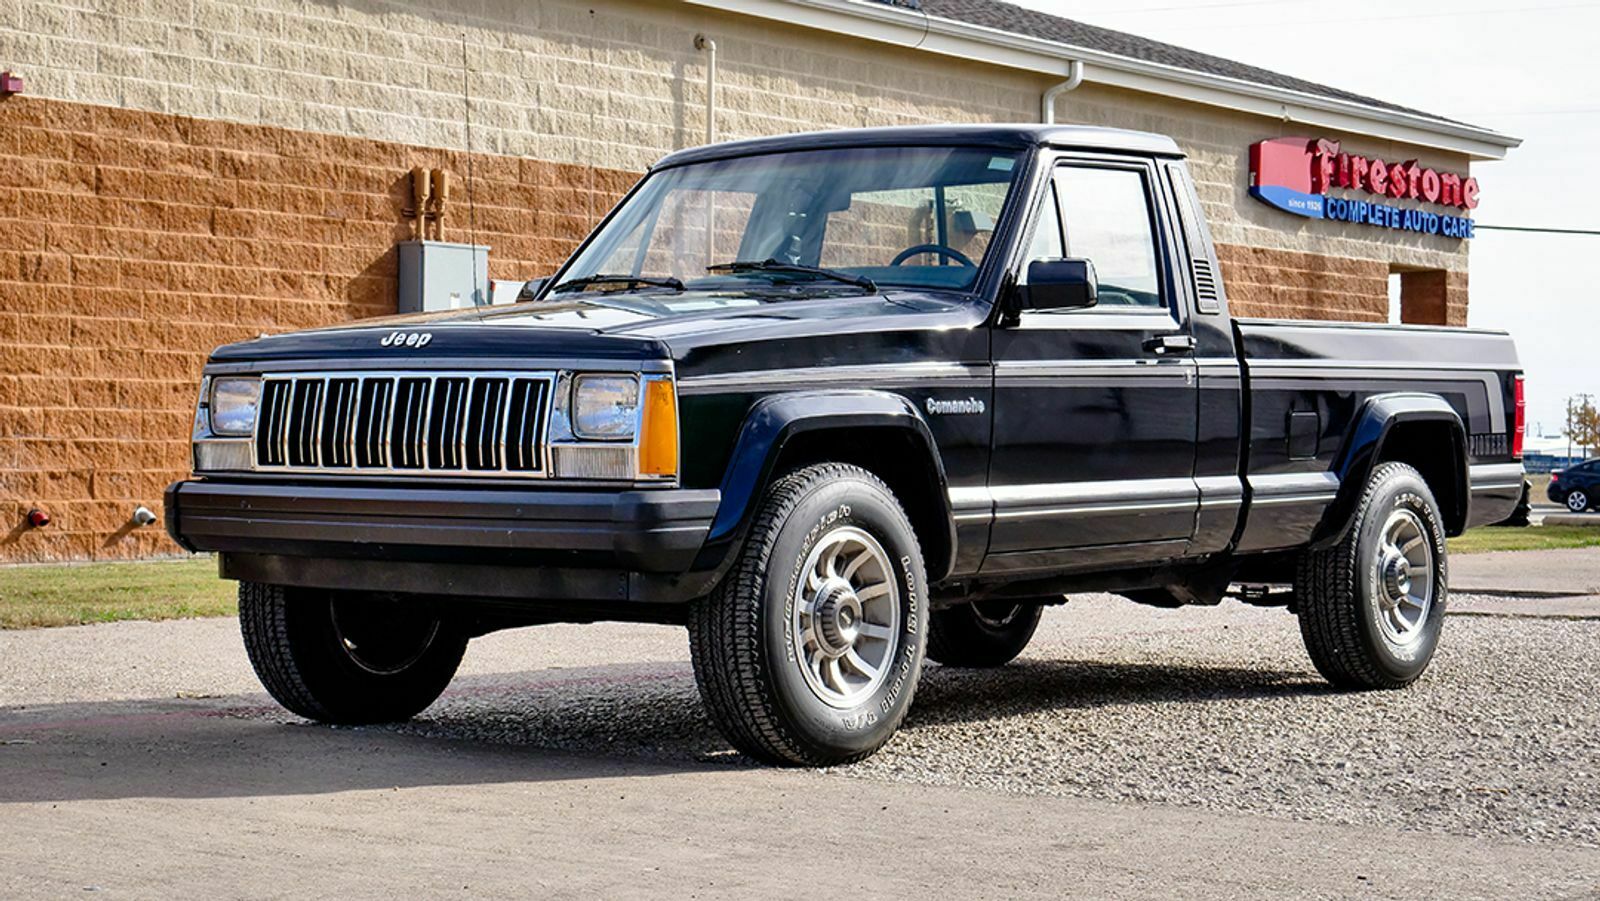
(1372, 606)
(338, 658)
(982, 633)
(1578, 501)
(809, 650)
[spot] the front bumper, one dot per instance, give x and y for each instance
(537, 544)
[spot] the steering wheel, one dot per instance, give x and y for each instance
(939, 249)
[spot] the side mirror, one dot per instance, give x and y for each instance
(1060, 285)
(531, 288)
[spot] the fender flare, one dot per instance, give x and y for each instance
(1364, 446)
(775, 420)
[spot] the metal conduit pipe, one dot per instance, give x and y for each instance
(709, 47)
(701, 42)
(1047, 102)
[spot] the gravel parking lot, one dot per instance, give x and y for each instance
(1211, 709)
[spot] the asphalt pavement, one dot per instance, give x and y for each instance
(1566, 572)
(1130, 752)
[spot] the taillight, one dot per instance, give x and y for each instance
(1522, 418)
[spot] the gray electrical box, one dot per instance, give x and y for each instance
(435, 275)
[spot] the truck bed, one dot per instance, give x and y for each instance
(1307, 382)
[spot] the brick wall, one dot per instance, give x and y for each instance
(1286, 284)
(132, 243)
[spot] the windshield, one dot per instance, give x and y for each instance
(829, 220)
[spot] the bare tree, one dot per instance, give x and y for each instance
(1583, 423)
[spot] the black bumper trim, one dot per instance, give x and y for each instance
(629, 531)
(562, 593)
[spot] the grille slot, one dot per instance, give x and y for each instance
(486, 418)
(461, 423)
(372, 423)
(335, 446)
(272, 424)
(524, 425)
(408, 422)
(305, 408)
(447, 423)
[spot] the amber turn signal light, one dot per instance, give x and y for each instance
(658, 445)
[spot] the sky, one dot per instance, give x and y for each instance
(1528, 69)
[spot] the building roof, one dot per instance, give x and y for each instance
(1018, 136)
(1009, 17)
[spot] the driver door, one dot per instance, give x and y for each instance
(1095, 409)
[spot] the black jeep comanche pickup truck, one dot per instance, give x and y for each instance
(836, 402)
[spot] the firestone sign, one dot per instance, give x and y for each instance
(1296, 175)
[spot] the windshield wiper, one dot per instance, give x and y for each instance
(627, 280)
(769, 265)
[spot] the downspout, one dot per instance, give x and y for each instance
(1047, 103)
(703, 43)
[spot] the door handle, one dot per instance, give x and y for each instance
(1170, 344)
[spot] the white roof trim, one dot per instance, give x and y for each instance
(911, 28)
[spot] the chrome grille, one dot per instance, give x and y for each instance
(464, 423)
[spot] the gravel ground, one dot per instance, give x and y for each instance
(1215, 709)
(1206, 708)
(1499, 738)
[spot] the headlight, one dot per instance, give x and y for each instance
(605, 406)
(233, 405)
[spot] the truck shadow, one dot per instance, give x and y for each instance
(949, 694)
(588, 723)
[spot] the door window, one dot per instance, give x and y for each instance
(1106, 214)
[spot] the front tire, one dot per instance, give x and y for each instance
(1372, 606)
(337, 658)
(809, 651)
(982, 633)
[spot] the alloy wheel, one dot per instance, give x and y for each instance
(1406, 578)
(846, 618)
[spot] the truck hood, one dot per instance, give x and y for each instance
(624, 327)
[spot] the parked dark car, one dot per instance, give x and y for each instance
(1577, 487)
(837, 402)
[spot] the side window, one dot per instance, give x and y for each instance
(1107, 218)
